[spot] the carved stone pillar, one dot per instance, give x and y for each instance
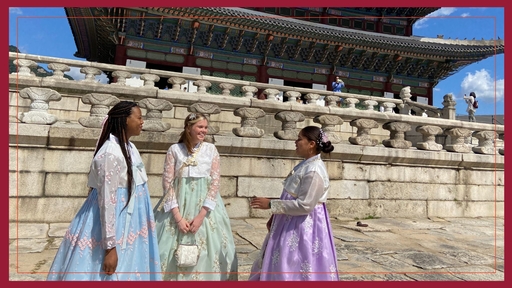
(271, 94)
(311, 98)
(249, 116)
(485, 142)
(249, 91)
(226, 88)
(58, 70)
(502, 150)
(149, 80)
(202, 85)
(176, 83)
(292, 96)
(363, 132)
(328, 124)
(90, 74)
(388, 107)
(153, 121)
(429, 138)
(351, 103)
(397, 135)
(289, 126)
(448, 111)
(457, 144)
(331, 101)
(207, 109)
(121, 77)
(38, 113)
(24, 66)
(100, 104)
(369, 104)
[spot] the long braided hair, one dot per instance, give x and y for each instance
(116, 125)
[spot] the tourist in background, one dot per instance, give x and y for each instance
(192, 211)
(113, 236)
(299, 245)
(470, 100)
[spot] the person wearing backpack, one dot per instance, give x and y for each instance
(472, 106)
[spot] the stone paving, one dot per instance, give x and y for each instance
(395, 249)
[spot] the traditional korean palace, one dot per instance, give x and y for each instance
(373, 50)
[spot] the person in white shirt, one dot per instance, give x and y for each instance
(191, 210)
(470, 100)
(299, 245)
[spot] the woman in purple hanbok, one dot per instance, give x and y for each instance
(299, 245)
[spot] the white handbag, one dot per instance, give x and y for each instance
(187, 255)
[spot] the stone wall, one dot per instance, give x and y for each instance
(49, 165)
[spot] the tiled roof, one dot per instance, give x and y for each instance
(286, 25)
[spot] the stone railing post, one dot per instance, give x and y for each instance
(100, 104)
(207, 109)
(397, 135)
(363, 132)
(249, 91)
(388, 107)
(485, 142)
(90, 74)
(369, 104)
(502, 150)
(202, 85)
(331, 101)
(149, 80)
(153, 121)
(176, 83)
(311, 98)
(351, 103)
(249, 116)
(457, 136)
(24, 66)
(289, 126)
(38, 113)
(271, 94)
(448, 111)
(429, 138)
(58, 70)
(226, 88)
(121, 77)
(328, 123)
(292, 96)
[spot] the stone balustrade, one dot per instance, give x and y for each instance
(400, 126)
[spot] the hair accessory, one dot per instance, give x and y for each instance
(322, 139)
(192, 116)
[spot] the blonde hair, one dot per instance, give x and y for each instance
(190, 120)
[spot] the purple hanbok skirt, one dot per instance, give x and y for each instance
(298, 248)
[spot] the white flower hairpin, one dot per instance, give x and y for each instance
(192, 116)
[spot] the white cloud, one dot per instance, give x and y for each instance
(445, 11)
(482, 84)
(78, 76)
(15, 10)
(465, 15)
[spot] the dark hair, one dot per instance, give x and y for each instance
(472, 94)
(316, 134)
(190, 120)
(116, 125)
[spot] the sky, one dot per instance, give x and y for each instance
(53, 37)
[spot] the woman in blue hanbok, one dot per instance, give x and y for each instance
(113, 235)
(192, 211)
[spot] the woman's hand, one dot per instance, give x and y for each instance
(110, 261)
(196, 223)
(260, 203)
(183, 225)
